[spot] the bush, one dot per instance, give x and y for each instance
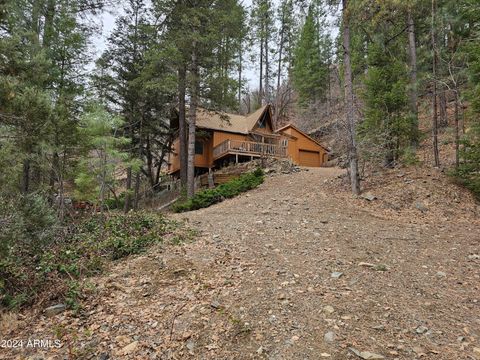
(468, 178)
(115, 203)
(208, 197)
(468, 173)
(409, 157)
(28, 227)
(83, 249)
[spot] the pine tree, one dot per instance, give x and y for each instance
(285, 55)
(220, 88)
(349, 100)
(104, 158)
(468, 168)
(386, 117)
(262, 19)
(310, 68)
(134, 79)
(45, 47)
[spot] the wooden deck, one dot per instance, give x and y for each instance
(248, 148)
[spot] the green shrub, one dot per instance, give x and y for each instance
(115, 203)
(409, 157)
(208, 197)
(468, 172)
(28, 228)
(81, 251)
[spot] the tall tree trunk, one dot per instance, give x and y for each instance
(349, 104)
(36, 8)
(61, 195)
(260, 89)
(150, 165)
(182, 128)
(103, 184)
(191, 124)
(240, 55)
(128, 184)
(49, 26)
(25, 185)
(140, 157)
(412, 50)
(434, 91)
(329, 92)
(279, 70)
(54, 171)
(267, 72)
(160, 162)
(457, 130)
(136, 200)
(128, 195)
(442, 99)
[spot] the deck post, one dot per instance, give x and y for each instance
(236, 158)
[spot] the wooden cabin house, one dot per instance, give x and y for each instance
(224, 138)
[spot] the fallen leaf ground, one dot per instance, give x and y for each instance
(257, 284)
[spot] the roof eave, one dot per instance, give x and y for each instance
(303, 133)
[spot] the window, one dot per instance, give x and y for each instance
(261, 123)
(285, 142)
(198, 147)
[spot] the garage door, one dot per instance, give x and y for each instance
(309, 158)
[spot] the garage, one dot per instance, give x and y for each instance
(302, 149)
(309, 158)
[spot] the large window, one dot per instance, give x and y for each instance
(262, 123)
(198, 147)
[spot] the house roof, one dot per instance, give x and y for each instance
(240, 124)
(303, 133)
(228, 122)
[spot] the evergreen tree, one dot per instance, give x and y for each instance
(386, 120)
(468, 169)
(310, 68)
(219, 87)
(132, 78)
(262, 18)
(104, 158)
(45, 46)
(349, 99)
(286, 41)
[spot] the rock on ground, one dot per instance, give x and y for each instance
(260, 288)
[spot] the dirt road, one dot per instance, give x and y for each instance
(287, 271)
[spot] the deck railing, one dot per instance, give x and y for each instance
(249, 148)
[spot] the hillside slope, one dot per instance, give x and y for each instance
(295, 269)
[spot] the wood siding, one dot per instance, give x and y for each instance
(300, 142)
(205, 160)
(301, 149)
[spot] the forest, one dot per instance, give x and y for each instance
(85, 135)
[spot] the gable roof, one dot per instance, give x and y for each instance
(234, 123)
(303, 133)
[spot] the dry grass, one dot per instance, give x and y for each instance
(9, 322)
